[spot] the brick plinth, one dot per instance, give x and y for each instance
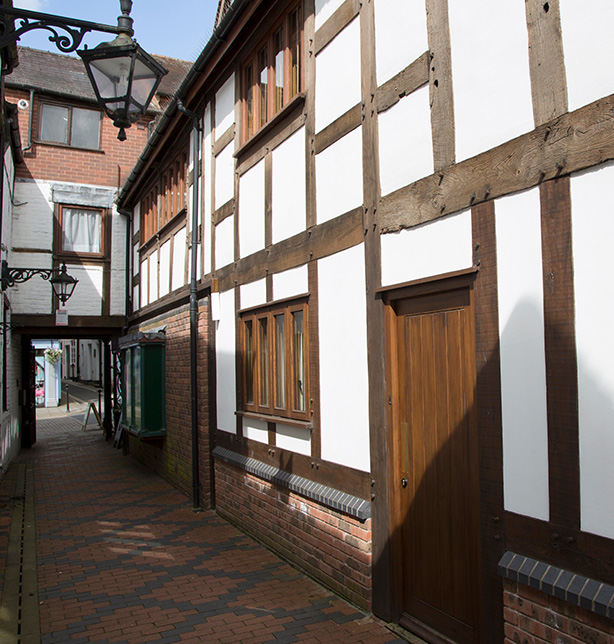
(330, 546)
(532, 617)
(171, 456)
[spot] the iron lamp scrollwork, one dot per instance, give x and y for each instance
(62, 283)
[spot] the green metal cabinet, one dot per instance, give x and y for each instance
(144, 390)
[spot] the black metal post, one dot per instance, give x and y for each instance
(67, 398)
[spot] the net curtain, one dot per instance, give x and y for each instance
(81, 230)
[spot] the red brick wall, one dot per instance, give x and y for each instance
(171, 457)
(328, 545)
(109, 166)
(532, 617)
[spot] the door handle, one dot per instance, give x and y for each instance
(404, 482)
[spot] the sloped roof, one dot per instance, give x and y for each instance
(53, 73)
(222, 9)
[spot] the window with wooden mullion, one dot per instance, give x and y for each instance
(274, 350)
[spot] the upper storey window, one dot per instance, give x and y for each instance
(271, 75)
(73, 126)
(82, 230)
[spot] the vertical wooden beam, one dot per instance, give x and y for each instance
(314, 359)
(546, 62)
(310, 111)
(561, 357)
(213, 172)
(488, 402)
(440, 83)
(378, 409)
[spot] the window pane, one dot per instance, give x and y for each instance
(264, 85)
(278, 70)
(280, 362)
(295, 52)
(54, 125)
(249, 363)
(299, 361)
(249, 86)
(85, 129)
(81, 230)
(264, 362)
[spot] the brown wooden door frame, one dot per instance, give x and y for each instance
(436, 290)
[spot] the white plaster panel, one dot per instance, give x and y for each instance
(324, 10)
(33, 215)
(256, 430)
(589, 50)
(224, 176)
(344, 389)
(119, 225)
(135, 260)
(290, 283)
(294, 439)
(338, 76)
(179, 251)
(405, 141)
(225, 106)
(87, 296)
(490, 72)
(522, 355)
(34, 296)
(253, 294)
(224, 242)
(207, 182)
(592, 199)
(165, 268)
(136, 218)
(439, 247)
(144, 283)
(289, 189)
(225, 363)
(339, 177)
(153, 277)
(136, 297)
(400, 35)
(251, 210)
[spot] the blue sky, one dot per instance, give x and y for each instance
(179, 29)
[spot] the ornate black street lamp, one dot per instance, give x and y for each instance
(62, 283)
(124, 76)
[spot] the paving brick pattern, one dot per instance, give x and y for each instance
(122, 558)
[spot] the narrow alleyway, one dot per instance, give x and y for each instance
(120, 557)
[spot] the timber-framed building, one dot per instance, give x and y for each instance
(369, 243)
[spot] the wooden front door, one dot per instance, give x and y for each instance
(435, 475)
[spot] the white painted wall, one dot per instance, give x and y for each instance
(207, 183)
(35, 296)
(338, 76)
(344, 390)
(339, 177)
(136, 218)
(224, 176)
(592, 199)
(87, 296)
(145, 283)
(400, 35)
(324, 9)
(225, 106)
(179, 252)
(290, 283)
(441, 246)
(589, 50)
(253, 294)
(165, 268)
(32, 215)
(523, 360)
(225, 363)
(256, 430)
(289, 205)
(251, 210)
(153, 276)
(405, 141)
(224, 242)
(490, 70)
(294, 439)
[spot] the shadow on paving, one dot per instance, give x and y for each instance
(122, 558)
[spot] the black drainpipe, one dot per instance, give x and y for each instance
(194, 303)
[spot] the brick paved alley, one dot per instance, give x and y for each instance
(120, 557)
